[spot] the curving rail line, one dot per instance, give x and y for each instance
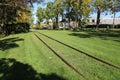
(67, 63)
(87, 54)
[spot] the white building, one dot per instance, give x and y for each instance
(92, 21)
(104, 20)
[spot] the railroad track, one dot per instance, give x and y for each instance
(67, 63)
(87, 54)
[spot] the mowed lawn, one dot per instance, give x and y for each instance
(92, 69)
(102, 44)
(25, 54)
(24, 57)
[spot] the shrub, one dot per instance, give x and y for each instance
(15, 28)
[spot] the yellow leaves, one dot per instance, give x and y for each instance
(86, 11)
(79, 4)
(82, 5)
(98, 2)
(22, 17)
(19, 13)
(85, 7)
(86, 2)
(57, 2)
(74, 3)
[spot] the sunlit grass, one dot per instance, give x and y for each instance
(27, 49)
(31, 51)
(103, 44)
(92, 69)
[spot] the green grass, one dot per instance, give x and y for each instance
(1, 36)
(92, 69)
(25, 54)
(103, 44)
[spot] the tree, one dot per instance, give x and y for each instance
(57, 10)
(40, 15)
(114, 7)
(11, 10)
(84, 11)
(52, 11)
(100, 6)
(49, 12)
(67, 9)
(81, 8)
(75, 10)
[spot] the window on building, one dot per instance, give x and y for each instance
(93, 20)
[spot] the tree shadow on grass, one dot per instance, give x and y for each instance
(9, 43)
(80, 35)
(10, 69)
(117, 40)
(100, 34)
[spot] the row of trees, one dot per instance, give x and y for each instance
(15, 15)
(76, 10)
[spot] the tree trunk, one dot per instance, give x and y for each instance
(76, 18)
(114, 20)
(62, 15)
(98, 18)
(0, 29)
(69, 15)
(69, 22)
(57, 21)
(5, 32)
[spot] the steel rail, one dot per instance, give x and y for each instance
(87, 54)
(67, 63)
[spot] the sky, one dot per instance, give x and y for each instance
(91, 15)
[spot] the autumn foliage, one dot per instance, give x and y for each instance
(13, 12)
